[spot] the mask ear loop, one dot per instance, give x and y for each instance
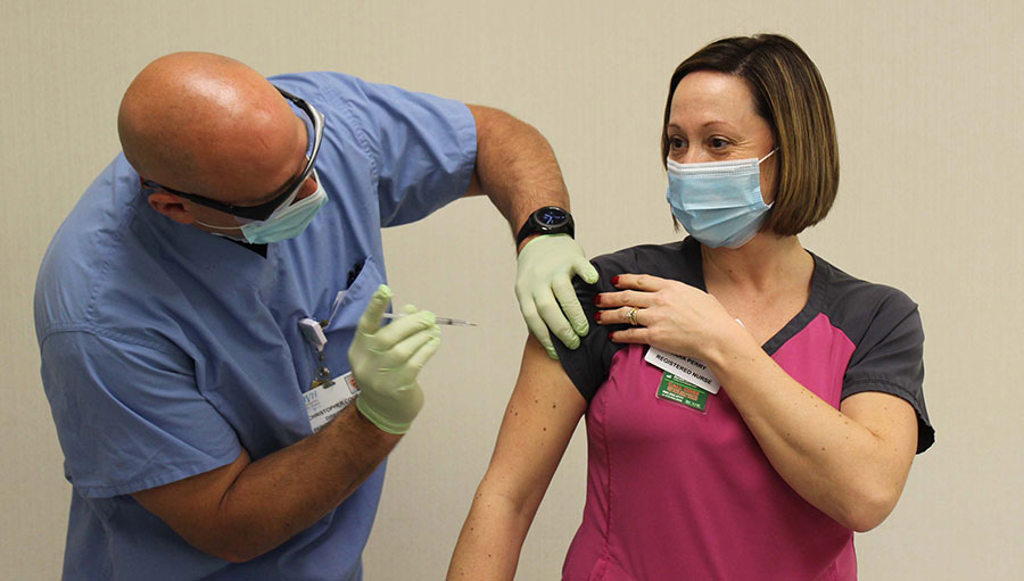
(201, 223)
(769, 154)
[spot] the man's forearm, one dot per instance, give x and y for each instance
(243, 510)
(286, 492)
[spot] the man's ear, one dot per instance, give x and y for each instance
(171, 206)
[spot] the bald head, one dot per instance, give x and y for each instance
(208, 124)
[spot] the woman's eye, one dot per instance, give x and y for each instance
(717, 143)
(676, 143)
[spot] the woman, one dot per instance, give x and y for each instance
(811, 409)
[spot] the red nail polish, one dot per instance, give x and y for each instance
(597, 316)
(615, 280)
(611, 336)
(597, 299)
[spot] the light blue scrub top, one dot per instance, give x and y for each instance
(166, 350)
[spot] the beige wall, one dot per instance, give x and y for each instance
(927, 96)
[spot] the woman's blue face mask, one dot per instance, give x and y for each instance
(719, 203)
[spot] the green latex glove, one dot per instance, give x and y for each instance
(544, 288)
(386, 360)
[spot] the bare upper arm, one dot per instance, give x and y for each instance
(539, 421)
(483, 117)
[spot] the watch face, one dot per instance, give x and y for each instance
(551, 216)
(546, 220)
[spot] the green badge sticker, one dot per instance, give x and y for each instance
(682, 392)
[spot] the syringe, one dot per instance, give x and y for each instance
(439, 320)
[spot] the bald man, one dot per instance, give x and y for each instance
(213, 304)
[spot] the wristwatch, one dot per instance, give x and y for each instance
(547, 220)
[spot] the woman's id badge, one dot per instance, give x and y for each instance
(687, 369)
(681, 392)
(686, 381)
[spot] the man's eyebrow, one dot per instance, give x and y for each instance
(277, 193)
(280, 191)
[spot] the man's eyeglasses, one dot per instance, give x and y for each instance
(264, 210)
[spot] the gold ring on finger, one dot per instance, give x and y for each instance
(631, 317)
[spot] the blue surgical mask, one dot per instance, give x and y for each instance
(719, 203)
(286, 222)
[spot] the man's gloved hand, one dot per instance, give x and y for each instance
(544, 288)
(385, 362)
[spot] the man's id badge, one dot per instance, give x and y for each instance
(682, 392)
(327, 400)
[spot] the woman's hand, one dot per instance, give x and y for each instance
(670, 315)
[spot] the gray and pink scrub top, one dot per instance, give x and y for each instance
(684, 492)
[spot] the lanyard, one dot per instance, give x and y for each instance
(313, 332)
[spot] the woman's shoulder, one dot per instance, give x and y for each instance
(855, 303)
(844, 283)
(678, 260)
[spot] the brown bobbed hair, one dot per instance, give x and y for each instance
(790, 95)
